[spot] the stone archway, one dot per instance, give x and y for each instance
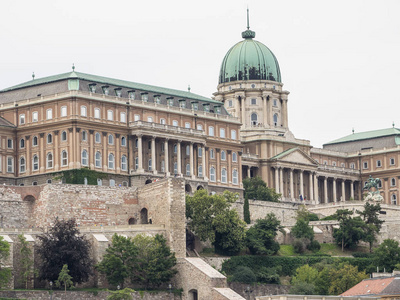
(143, 216)
(200, 187)
(188, 188)
(132, 221)
(148, 181)
(193, 295)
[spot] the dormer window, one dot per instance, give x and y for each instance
(182, 103)
(92, 88)
(105, 89)
(195, 105)
(118, 92)
(131, 95)
(157, 99)
(217, 109)
(170, 101)
(145, 97)
(206, 107)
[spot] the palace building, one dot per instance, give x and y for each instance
(136, 133)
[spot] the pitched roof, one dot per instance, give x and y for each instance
(284, 153)
(373, 286)
(5, 123)
(111, 81)
(366, 135)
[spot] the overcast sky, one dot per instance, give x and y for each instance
(340, 60)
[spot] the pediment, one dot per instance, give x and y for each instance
(295, 156)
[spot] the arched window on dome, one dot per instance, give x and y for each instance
(275, 119)
(254, 119)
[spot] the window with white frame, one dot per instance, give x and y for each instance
(111, 182)
(97, 138)
(22, 119)
(97, 160)
(199, 127)
(254, 119)
(84, 158)
(163, 121)
(49, 160)
(380, 184)
(187, 169)
(223, 155)
(334, 163)
(131, 95)
(276, 119)
(378, 163)
(210, 130)
(97, 113)
(175, 168)
(84, 136)
(136, 143)
(35, 116)
(212, 154)
(22, 165)
(235, 176)
(187, 150)
(145, 97)
(49, 114)
(10, 144)
(49, 138)
(124, 165)
(234, 157)
(10, 164)
(253, 101)
(175, 148)
(200, 171)
(162, 166)
(342, 165)
(222, 133)
(223, 176)
(392, 182)
(394, 199)
(122, 117)
(123, 141)
(22, 143)
(111, 161)
(352, 166)
(200, 152)
(233, 134)
(64, 158)
(150, 119)
(136, 163)
(187, 125)
(392, 161)
(182, 104)
(157, 99)
(110, 139)
(136, 118)
(174, 123)
(63, 136)
(365, 165)
(63, 111)
(110, 115)
(212, 174)
(83, 111)
(149, 165)
(35, 162)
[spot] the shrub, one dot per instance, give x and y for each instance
(314, 246)
(244, 275)
(300, 245)
(269, 275)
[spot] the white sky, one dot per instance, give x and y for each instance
(340, 60)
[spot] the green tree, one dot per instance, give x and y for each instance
(118, 261)
(305, 274)
(211, 218)
(260, 238)
(154, 262)
(350, 231)
(370, 215)
(64, 279)
(26, 261)
(64, 245)
(344, 277)
(246, 211)
(302, 288)
(387, 254)
(5, 273)
(255, 188)
(124, 294)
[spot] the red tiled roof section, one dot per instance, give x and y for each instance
(369, 287)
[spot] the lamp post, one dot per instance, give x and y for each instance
(248, 291)
(169, 289)
(118, 287)
(51, 290)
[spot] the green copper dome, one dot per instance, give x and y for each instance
(249, 60)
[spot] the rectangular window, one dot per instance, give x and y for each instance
(211, 131)
(35, 116)
(170, 102)
(9, 143)
(187, 125)
(110, 115)
(122, 117)
(49, 114)
(233, 134)
(136, 117)
(157, 99)
(365, 165)
(206, 107)
(131, 95)
(97, 113)
(253, 101)
(10, 164)
(83, 111)
(195, 105)
(145, 97)
(230, 103)
(22, 119)
(63, 111)
(378, 164)
(182, 103)
(392, 161)
(222, 133)
(174, 123)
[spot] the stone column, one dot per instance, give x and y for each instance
(131, 140)
(91, 150)
(42, 160)
(104, 156)
(240, 169)
(179, 157)
(276, 180)
(153, 155)
(316, 192)
(71, 157)
(281, 181)
(243, 100)
(191, 160)
(248, 172)
(311, 193)
(301, 184)
(203, 161)
(166, 158)
(229, 170)
(325, 190)
(78, 148)
(343, 191)
(291, 185)
(140, 153)
(352, 189)
(56, 151)
(334, 190)
(265, 116)
(28, 159)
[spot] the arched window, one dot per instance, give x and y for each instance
(394, 199)
(49, 160)
(123, 163)
(187, 169)
(175, 148)
(223, 155)
(84, 135)
(150, 119)
(97, 160)
(110, 139)
(111, 161)
(234, 157)
(223, 175)
(393, 182)
(35, 162)
(97, 138)
(22, 165)
(200, 152)
(49, 138)
(150, 169)
(123, 141)
(35, 141)
(83, 111)
(235, 176)
(212, 153)
(200, 171)
(212, 174)
(254, 119)
(199, 127)
(275, 119)
(22, 143)
(64, 158)
(112, 182)
(63, 136)
(84, 158)
(136, 142)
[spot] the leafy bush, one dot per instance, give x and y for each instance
(300, 245)
(302, 288)
(314, 246)
(329, 218)
(269, 275)
(244, 275)
(362, 254)
(313, 217)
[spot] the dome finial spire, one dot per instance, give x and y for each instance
(248, 34)
(248, 22)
